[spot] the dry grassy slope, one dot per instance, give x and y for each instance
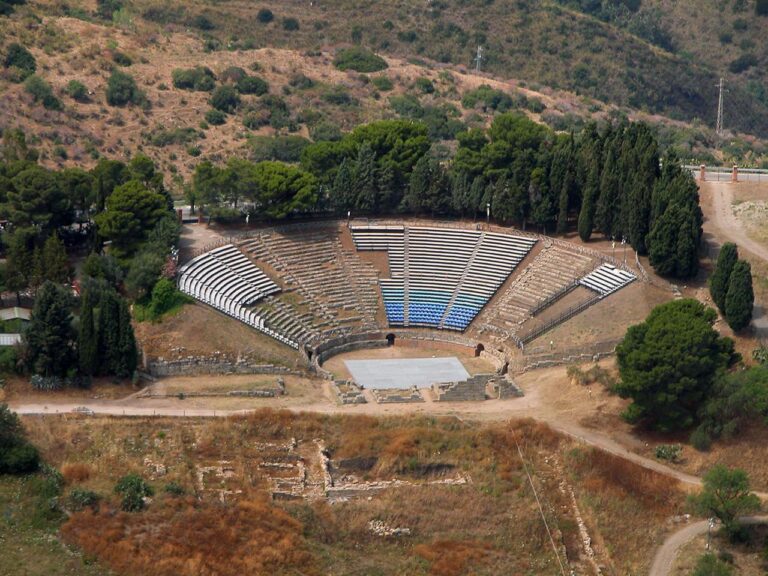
(68, 48)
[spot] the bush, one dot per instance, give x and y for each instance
(21, 59)
(122, 90)
(202, 22)
(77, 91)
(46, 383)
(80, 499)
(19, 458)
(424, 85)
(382, 83)
(41, 91)
(301, 81)
(174, 489)
(252, 85)
(199, 78)
(290, 24)
(280, 148)
(162, 137)
(121, 59)
(743, 63)
(215, 117)
(225, 98)
(107, 8)
(165, 297)
(701, 440)
(711, 565)
(133, 488)
(325, 131)
(669, 452)
(265, 16)
(358, 59)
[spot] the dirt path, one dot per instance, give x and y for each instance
(718, 209)
(665, 557)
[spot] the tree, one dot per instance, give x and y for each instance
(37, 199)
(726, 495)
(132, 211)
(122, 90)
(54, 259)
(343, 198)
(18, 256)
(718, 283)
(49, 338)
(284, 189)
(106, 8)
(740, 298)
(144, 270)
(17, 455)
(761, 7)
(669, 362)
(225, 98)
(710, 565)
(127, 351)
(364, 180)
(88, 339)
(109, 333)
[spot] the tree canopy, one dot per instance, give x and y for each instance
(669, 362)
(726, 495)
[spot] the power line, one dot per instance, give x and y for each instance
(719, 125)
(541, 510)
(478, 58)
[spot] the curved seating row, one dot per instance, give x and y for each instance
(606, 279)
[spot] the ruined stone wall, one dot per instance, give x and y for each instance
(194, 366)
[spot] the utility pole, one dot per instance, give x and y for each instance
(719, 126)
(478, 58)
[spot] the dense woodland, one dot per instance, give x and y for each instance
(606, 181)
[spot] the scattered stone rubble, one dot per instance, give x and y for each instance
(383, 529)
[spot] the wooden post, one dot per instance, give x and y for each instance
(703, 173)
(735, 174)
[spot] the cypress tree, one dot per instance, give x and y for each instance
(591, 191)
(460, 194)
(88, 338)
(364, 179)
(127, 357)
(49, 337)
(418, 189)
(740, 298)
(109, 333)
(476, 194)
(607, 210)
(55, 263)
(389, 195)
(37, 273)
(343, 192)
(718, 283)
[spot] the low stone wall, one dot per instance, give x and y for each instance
(397, 396)
(470, 390)
(194, 366)
(348, 392)
(505, 388)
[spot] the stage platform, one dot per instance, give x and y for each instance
(405, 373)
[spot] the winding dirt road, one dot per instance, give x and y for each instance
(718, 210)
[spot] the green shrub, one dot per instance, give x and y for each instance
(121, 59)
(382, 83)
(41, 91)
(80, 499)
(194, 151)
(106, 8)
(225, 98)
(165, 298)
(301, 81)
(280, 148)
(743, 63)
(711, 565)
(290, 24)
(133, 488)
(215, 117)
(265, 16)
(21, 60)
(325, 131)
(701, 440)
(77, 91)
(358, 59)
(202, 22)
(174, 489)
(252, 85)
(199, 78)
(122, 90)
(669, 452)
(339, 96)
(424, 85)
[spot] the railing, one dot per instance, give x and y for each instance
(567, 315)
(547, 302)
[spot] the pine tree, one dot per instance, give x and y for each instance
(476, 195)
(390, 195)
(460, 194)
(109, 333)
(88, 338)
(364, 179)
(740, 298)
(127, 357)
(55, 261)
(718, 283)
(49, 337)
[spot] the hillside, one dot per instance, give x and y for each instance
(309, 98)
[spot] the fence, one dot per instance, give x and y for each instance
(726, 173)
(567, 315)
